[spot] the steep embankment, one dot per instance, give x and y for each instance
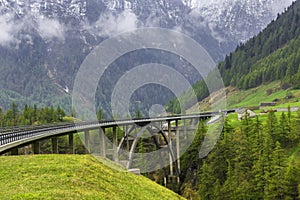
(73, 177)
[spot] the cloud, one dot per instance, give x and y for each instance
(50, 28)
(109, 24)
(11, 28)
(8, 29)
(5, 32)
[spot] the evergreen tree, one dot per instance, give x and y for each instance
(60, 113)
(272, 126)
(292, 179)
(275, 186)
(206, 182)
(284, 130)
(15, 113)
(100, 114)
(35, 114)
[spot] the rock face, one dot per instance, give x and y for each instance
(49, 39)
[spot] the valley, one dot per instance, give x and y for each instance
(236, 140)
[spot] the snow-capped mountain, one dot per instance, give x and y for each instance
(52, 37)
(227, 22)
(239, 19)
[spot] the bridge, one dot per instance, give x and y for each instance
(166, 133)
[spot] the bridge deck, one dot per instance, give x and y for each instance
(19, 136)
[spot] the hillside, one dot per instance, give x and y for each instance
(253, 97)
(272, 55)
(73, 177)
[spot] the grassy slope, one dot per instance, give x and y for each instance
(253, 97)
(72, 177)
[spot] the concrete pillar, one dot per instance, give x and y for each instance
(191, 122)
(71, 143)
(36, 147)
(170, 145)
(102, 142)
(87, 141)
(54, 145)
(184, 129)
(115, 143)
(127, 139)
(14, 152)
(177, 149)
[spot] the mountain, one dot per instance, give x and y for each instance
(43, 43)
(273, 54)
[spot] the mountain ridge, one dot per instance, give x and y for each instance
(44, 42)
(272, 55)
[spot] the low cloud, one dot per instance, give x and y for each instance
(110, 24)
(50, 29)
(8, 30)
(11, 28)
(5, 32)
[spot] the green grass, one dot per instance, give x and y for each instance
(236, 98)
(73, 177)
(255, 96)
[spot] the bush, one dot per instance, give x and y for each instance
(269, 92)
(289, 95)
(285, 86)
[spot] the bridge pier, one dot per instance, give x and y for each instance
(87, 141)
(177, 149)
(170, 144)
(54, 145)
(14, 152)
(184, 130)
(115, 144)
(102, 142)
(36, 147)
(71, 143)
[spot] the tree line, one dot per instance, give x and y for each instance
(30, 115)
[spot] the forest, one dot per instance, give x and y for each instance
(258, 158)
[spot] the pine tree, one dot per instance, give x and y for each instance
(257, 144)
(272, 126)
(15, 113)
(229, 186)
(242, 165)
(294, 136)
(275, 186)
(206, 182)
(60, 113)
(292, 179)
(100, 114)
(216, 194)
(138, 114)
(284, 130)
(35, 114)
